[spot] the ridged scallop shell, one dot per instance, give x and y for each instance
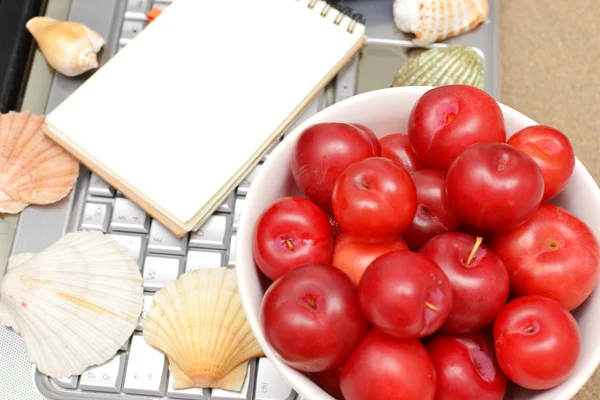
(69, 47)
(33, 168)
(435, 20)
(74, 303)
(442, 66)
(198, 322)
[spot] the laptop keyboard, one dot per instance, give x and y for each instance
(138, 371)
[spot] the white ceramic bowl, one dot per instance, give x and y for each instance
(386, 111)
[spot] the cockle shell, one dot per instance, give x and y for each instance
(198, 322)
(69, 47)
(33, 168)
(441, 66)
(435, 20)
(74, 303)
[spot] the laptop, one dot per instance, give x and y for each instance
(137, 371)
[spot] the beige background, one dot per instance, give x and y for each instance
(550, 70)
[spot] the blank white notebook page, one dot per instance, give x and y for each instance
(179, 110)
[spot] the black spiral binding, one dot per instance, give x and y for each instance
(343, 11)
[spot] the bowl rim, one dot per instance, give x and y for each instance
(242, 272)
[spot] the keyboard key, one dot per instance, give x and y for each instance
(67, 383)
(128, 217)
(131, 28)
(95, 217)
(231, 258)
(134, 244)
(237, 212)
(164, 241)
(212, 234)
(243, 187)
(244, 394)
(270, 384)
(146, 369)
(138, 6)
(203, 259)
(161, 6)
(192, 393)
(106, 377)
(227, 205)
(147, 303)
(158, 271)
(98, 187)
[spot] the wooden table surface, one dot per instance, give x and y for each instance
(550, 71)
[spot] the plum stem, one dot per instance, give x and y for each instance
(289, 244)
(431, 306)
(477, 244)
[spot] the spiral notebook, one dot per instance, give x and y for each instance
(177, 118)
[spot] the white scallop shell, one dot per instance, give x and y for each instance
(74, 303)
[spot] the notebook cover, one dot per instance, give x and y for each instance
(144, 121)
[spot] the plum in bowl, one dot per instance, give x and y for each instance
(386, 111)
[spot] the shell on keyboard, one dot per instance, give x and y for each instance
(33, 169)
(450, 65)
(199, 323)
(74, 303)
(435, 20)
(68, 46)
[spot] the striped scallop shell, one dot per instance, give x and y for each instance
(33, 168)
(74, 303)
(199, 323)
(438, 19)
(441, 66)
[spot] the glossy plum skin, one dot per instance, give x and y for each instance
(554, 254)
(537, 342)
(312, 319)
(387, 368)
(375, 144)
(353, 254)
(494, 187)
(374, 198)
(290, 232)
(434, 214)
(322, 152)
(405, 294)
(480, 288)
(397, 147)
(552, 152)
(448, 119)
(466, 367)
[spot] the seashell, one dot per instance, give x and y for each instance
(441, 66)
(69, 47)
(198, 322)
(74, 304)
(435, 20)
(33, 168)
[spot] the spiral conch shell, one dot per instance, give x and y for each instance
(69, 47)
(435, 20)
